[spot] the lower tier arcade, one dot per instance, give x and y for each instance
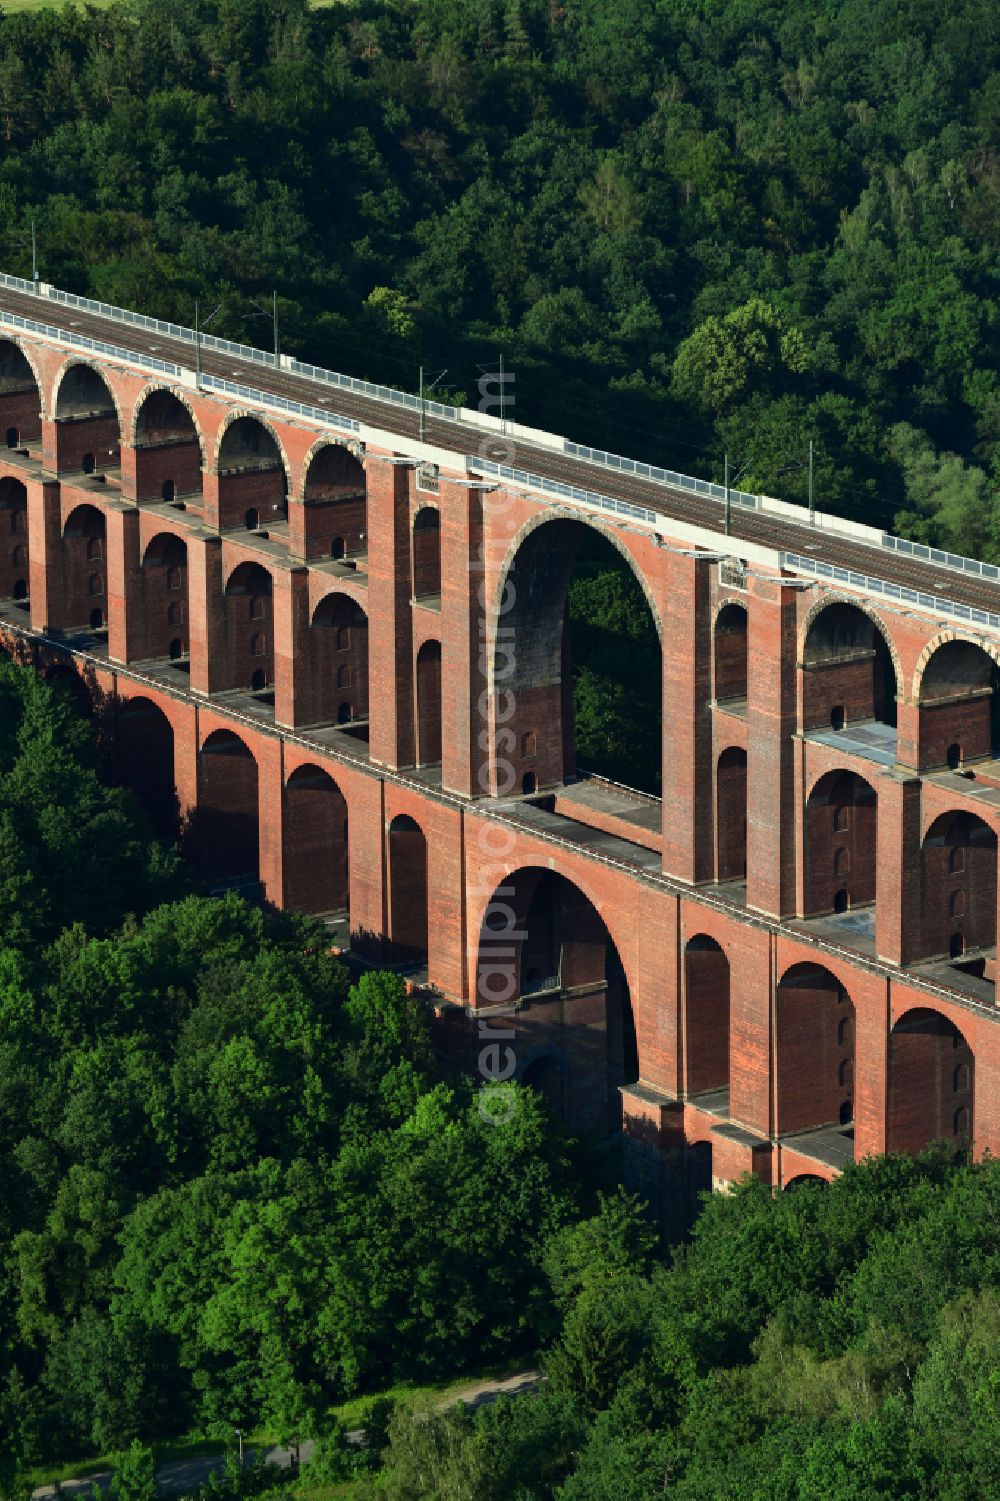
(550, 943)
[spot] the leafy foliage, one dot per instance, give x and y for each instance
(834, 1341)
(236, 1186)
(732, 225)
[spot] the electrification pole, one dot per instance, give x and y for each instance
(812, 503)
(729, 504)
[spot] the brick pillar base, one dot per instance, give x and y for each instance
(126, 633)
(652, 1166)
(292, 668)
(390, 635)
(45, 558)
(206, 607)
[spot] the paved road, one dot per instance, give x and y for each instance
(182, 1476)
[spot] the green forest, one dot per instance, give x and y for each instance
(692, 227)
(238, 1184)
(836, 1343)
(235, 1186)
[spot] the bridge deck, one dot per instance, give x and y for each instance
(784, 535)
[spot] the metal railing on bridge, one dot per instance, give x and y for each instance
(669, 478)
(897, 592)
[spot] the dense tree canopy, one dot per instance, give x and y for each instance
(829, 1344)
(692, 227)
(234, 1186)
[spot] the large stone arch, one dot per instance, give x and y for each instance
(22, 395)
(838, 596)
(991, 648)
(563, 513)
(28, 354)
(88, 436)
(74, 360)
(956, 695)
(315, 863)
(814, 1051)
(332, 501)
(546, 948)
(353, 446)
(236, 414)
(531, 661)
(846, 659)
(227, 821)
(931, 1081)
(153, 388)
(253, 479)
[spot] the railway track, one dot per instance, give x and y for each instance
(769, 531)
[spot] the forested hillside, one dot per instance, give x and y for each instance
(836, 1343)
(692, 226)
(234, 1187)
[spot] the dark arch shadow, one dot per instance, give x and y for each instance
(581, 656)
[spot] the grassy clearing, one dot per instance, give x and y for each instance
(21, 5)
(73, 1469)
(13, 5)
(352, 1413)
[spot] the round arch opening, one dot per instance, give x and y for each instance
(168, 451)
(164, 601)
(253, 480)
(730, 656)
(338, 662)
(840, 856)
(336, 505)
(931, 1082)
(959, 883)
(815, 1060)
(145, 762)
(227, 828)
(545, 949)
(14, 539)
(848, 675)
(315, 849)
(88, 430)
(706, 1021)
(959, 708)
(249, 628)
(581, 655)
(408, 893)
(20, 398)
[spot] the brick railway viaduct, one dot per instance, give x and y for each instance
(328, 642)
